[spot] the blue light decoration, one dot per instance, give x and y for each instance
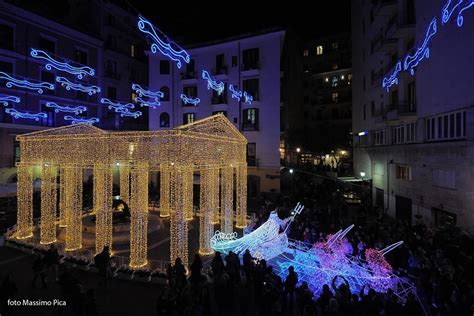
(166, 47)
(248, 97)
(8, 98)
(236, 94)
(61, 66)
(116, 105)
(460, 19)
(189, 100)
(126, 112)
(28, 84)
(81, 120)
(316, 264)
(412, 60)
(90, 90)
(392, 78)
(142, 92)
(213, 84)
(447, 12)
(67, 109)
(148, 103)
(26, 115)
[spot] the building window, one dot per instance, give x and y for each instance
(444, 178)
(133, 96)
(335, 45)
(411, 97)
(164, 67)
(111, 70)
(335, 81)
(219, 98)
(16, 151)
(6, 67)
(319, 50)
(403, 172)
(220, 65)
(305, 52)
(164, 120)
(252, 154)
(379, 137)
(48, 77)
(190, 70)
(111, 41)
(335, 96)
(411, 132)
(190, 91)
(166, 93)
(252, 87)
(49, 120)
(81, 56)
(112, 93)
(250, 59)
(372, 108)
(446, 126)
(398, 134)
(132, 51)
(234, 61)
(47, 45)
(133, 74)
(364, 113)
(7, 36)
(188, 118)
(250, 120)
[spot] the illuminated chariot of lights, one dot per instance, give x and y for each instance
(189, 100)
(168, 48)
(90, 90)
(81, 120)
(8, 98)
(148, 103)
(126, 112)
(213, 84)
(62, 66)
(236, 94)
(26, 115)
(248, 97)
(142, 92)
(28, 84)
(423, 51)
(392, 78)
(67, 109)
(116, 105)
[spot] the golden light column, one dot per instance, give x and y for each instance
(125, 183)
(139, 214)
(48, 204)
(178, 224)
(213, 192)
(62, 199)
(24, 226)
(188, 191)
(73, 200)
(241, 205)
(103, 206)
(164, 190)
(227, 199)
(205, 215)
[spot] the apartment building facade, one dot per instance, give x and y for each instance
(249, 63)
(412, 108)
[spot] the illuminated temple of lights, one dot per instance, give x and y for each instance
(212, 148)
(319, 264)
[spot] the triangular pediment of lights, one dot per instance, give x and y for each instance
(77, 129)
(216, 125)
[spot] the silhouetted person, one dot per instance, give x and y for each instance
(217, 265)
(196, 268)
(290, 285)
(102, 261)
(52, 261)
(179, 272)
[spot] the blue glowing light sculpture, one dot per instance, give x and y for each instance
(28, 84)
(392, 78)
(90, 90)
(116, 105)
(26, 115)
(61, 66)
(168, 48)
(189, 100)
(236, 94)
(148, 103)
(67, 109)
(213, 84)
(8, 98)
(142, 92)
(467, 5)
(412, 60)
(125, 112)
(447, 11)
(81, 120)
(248, 97)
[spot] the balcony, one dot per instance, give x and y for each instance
(250, 66)
(248, 127)
(218, 100)
(400, 110)
(188, 75)
(220, 71)
(399, 29)
(385, 7)
(381, 43)
(112, 75)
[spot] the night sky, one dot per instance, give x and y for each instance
(190, 23)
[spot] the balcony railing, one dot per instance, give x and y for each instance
(250, 66)
(188, 75)
(249, 126)
(219, 71)
(384, 7)
(402, 108)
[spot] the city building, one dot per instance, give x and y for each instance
(412, 108)
(249, 63)
(27, 25)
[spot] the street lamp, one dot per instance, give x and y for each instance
(291, 170)
(362, 174)
(298, 150)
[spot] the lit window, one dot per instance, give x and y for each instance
(342, 77)
(335, 66)
(188, 118)
(134, 95)
(335, 96)
(327, 79)
(319, 50)
(305, 53)
(335, 45)
(132, 50)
